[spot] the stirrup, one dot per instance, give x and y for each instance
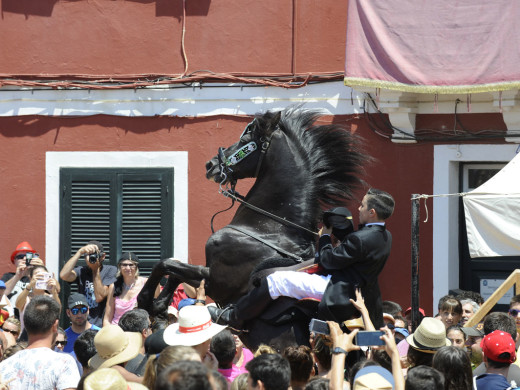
(222, 311)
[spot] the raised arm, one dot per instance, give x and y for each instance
(359, 304)
(345, 342)
(110, 307)
(392, 351)
(67, 272)
(100, 290)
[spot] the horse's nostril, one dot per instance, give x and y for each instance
(209, 164)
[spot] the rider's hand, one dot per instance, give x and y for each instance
(325, 230)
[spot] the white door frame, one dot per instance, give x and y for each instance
(446, 162)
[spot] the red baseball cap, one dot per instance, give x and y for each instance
(22, 247)
(410, 309)
(496, 343)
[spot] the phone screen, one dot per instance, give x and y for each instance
(318, 326)
(368, 338)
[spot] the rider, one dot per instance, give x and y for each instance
(355, 262)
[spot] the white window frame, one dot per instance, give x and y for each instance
(54, 161)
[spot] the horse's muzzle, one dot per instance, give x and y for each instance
(213, 170)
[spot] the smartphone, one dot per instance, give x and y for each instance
(41, 284)
(369, 338)
(318, 326)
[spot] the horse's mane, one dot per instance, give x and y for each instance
(334, 154)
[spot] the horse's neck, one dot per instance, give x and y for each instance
(283, 187)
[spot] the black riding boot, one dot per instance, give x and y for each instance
(247, 307)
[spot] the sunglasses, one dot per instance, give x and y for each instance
(76, 310)
(13, 332)
(514, 312)
(131, 265)
(62, 343)
(20, 256)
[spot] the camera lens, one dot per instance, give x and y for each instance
(92, 258)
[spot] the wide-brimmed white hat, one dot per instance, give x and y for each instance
(429, 336)
(114, 346)
(193, 328)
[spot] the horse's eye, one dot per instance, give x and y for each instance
(246, 138)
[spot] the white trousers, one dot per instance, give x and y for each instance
(297, 285)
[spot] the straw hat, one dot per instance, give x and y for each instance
(193, 328)
(429, 336)
(355, 323)
(109, 378)
(388, 318)
(115, 346)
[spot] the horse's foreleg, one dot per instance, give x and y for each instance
(159, 311)
(146, 296)
(177, 272)
(188, 273)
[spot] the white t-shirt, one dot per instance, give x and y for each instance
(40, 369)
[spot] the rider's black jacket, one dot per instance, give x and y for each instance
(356, 262)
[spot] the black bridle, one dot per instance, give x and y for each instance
(226, 163)
(226, 174)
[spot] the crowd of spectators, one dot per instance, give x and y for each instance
(110, 344)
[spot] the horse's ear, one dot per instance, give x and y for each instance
(273, 123)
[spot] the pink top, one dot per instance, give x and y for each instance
(231, 373)
(121, 307)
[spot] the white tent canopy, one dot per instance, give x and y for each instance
(493, 214)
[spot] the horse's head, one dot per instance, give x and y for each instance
(244, 158)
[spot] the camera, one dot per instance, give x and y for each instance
(93, 258)
(28, 258)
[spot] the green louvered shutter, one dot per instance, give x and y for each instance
(143, 221)
(125, 209)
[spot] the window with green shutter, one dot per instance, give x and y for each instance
(125, 209)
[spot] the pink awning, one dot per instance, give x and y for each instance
(441, 46)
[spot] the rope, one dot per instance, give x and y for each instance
(426, 197)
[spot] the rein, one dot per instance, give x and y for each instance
(269, 244)
(231, 194)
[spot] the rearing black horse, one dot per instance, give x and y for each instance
(300, 167)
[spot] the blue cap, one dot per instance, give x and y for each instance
(402, 331)
(2, 284)
(185, 302)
